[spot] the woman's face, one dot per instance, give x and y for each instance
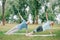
(27, 22)
(52, 23)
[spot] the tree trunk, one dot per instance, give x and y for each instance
(36, 12)
(3, 10)
(33, 20)
(36, 16)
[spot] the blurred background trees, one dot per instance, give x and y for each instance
(42, 10)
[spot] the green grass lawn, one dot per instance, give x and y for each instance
(5, 28)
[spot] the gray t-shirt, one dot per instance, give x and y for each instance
(46, 26)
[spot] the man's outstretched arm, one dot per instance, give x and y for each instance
(21, 16)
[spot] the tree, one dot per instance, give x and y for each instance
(18, 7)
(34, 7)
(49, 11)
(3, 10)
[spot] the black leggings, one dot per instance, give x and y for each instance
(38, 29)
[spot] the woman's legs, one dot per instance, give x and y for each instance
(38, 29)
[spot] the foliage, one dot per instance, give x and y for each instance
(19, 6)
(51, 16)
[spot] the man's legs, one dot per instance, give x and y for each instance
(14, 29)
